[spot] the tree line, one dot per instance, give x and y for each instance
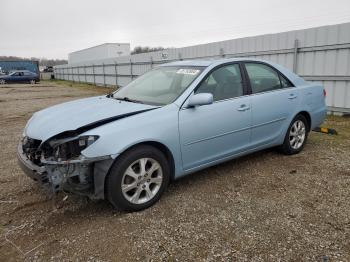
(146, 49)
(54, 62)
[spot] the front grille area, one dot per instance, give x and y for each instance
(31, 150)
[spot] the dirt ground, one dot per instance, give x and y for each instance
(262, 207)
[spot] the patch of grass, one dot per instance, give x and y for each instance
(65, 83)
(341, 125)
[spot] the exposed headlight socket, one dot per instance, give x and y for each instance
(87, 140)
(71, 149)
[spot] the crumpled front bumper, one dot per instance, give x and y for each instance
(35, 172)
(47, 177)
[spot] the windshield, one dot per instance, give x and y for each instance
(160, 86)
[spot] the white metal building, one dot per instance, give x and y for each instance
(104, 51)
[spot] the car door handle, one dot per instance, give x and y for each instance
(292, 96)
(243, 108)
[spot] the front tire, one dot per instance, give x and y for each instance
(137, 179)
(2, 82)
(296, 136)
(32, 82)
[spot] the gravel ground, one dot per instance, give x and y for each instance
(262, 207)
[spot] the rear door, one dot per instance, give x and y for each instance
(212, 132)
(274, 101)
(28, 76)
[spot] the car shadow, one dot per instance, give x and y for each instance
(176, 187)
(213, 171)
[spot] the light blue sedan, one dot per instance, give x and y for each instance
(174, 120)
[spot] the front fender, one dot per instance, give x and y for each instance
(159, 125)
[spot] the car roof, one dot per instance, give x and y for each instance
(190, 63)
(209, 62)
(214, 61)
(295, 79)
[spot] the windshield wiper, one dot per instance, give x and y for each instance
(127, 99)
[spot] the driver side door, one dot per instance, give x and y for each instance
(15, 78)
(217, 131)
(22, 77)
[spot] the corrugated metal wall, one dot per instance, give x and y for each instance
(319, 54)
(8, 66)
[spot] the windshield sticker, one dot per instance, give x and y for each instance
(188, 71)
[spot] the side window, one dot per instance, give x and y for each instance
(224, 83)
(262, 78)
(285, 83)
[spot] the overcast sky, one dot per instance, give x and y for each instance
(53, 28)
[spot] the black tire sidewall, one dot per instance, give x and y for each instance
(114, 179)
(286, 147)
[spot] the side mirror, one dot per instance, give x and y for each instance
(200, 100)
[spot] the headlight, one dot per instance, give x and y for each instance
(72, 148)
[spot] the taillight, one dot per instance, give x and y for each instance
(324, 92)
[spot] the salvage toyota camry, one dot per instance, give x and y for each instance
(175, 119)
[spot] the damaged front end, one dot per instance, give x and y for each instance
(59, 165)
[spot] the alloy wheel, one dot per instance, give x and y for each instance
(297, 134)
(142, 180)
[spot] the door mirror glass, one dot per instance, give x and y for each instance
(200, 100)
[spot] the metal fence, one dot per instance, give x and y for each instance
(318, 54)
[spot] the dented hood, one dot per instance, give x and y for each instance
(80, 114)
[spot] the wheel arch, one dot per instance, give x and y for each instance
(165, 150)
(160, 146)
(307, 117)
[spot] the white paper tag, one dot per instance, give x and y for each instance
(188, 71)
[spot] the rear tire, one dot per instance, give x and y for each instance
(296, 136)
(2, 82)
(32, 82)
(137, 179)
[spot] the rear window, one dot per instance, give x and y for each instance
(263, 78)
